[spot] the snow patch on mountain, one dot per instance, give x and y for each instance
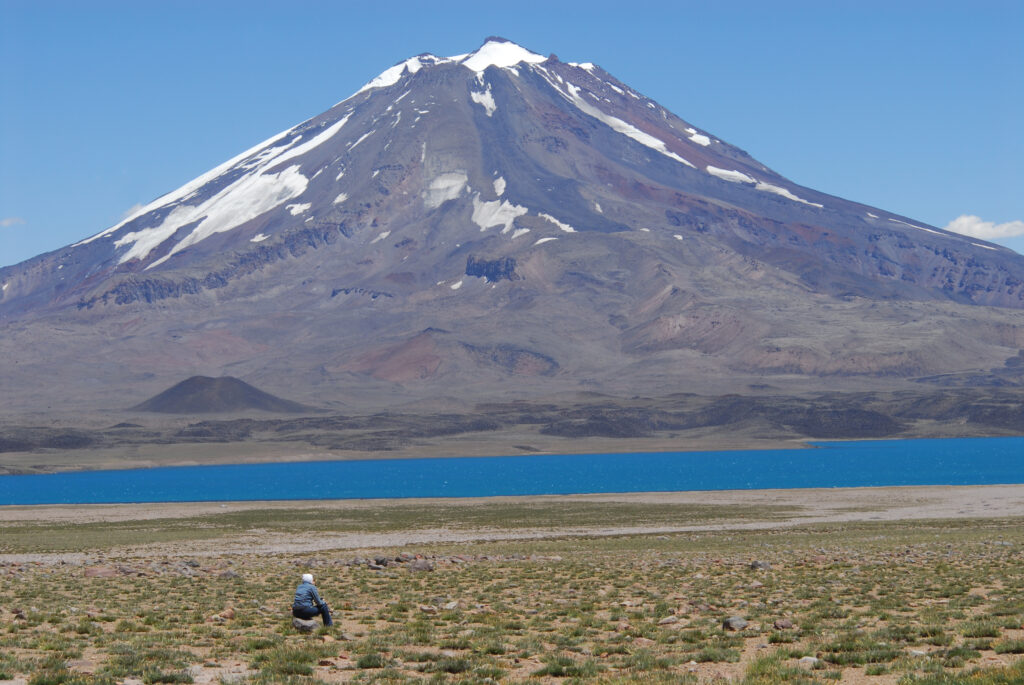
(383, 235)
(614, 123)
(484, 99)
(920, 228)
(544, 240)
(729, 175)
(487, 214)
(499, 186)
(779, 190)
(250, 196)
(258, 238)
(444, 187)
(698, 138)
(564, 226)
(393, 75)
(361, 139)
(499, 53)
(341, 198)
(242, 201)
(297, 209)
(314, 142)
(189, 188)
(734, 176)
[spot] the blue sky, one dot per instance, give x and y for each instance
(913, 107)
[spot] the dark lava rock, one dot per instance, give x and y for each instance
(492, 269)
(840, 423)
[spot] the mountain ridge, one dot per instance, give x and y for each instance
(543, 215)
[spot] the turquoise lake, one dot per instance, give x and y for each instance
(952, 461)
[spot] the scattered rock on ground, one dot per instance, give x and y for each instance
(734, 623)
(302, 625)
(100, 572)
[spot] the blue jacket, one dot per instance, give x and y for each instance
(307, 596)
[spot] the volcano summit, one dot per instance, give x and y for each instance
(504, 225)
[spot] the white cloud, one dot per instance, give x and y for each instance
(968, 224)
(131, 211)
(9, 221)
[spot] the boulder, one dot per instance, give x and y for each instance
(760, 565)
(734, 623)
(421, 565)
(668, 620)
(783, 624)
(304, 626)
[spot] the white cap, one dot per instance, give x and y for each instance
(307, 577)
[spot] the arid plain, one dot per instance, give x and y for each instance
(876, 585)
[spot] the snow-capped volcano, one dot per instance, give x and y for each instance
(274, 177)
(501, 216)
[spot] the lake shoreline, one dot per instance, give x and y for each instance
(850, 464)
(812, 506)
(237, 454)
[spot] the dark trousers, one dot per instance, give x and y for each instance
(309, 612)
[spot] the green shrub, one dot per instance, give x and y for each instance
(372, 660)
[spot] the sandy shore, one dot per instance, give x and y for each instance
(810, 506)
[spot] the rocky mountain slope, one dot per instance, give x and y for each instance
(504, 225)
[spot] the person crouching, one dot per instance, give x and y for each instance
(307, 602)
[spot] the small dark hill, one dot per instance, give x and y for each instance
(205, 395)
